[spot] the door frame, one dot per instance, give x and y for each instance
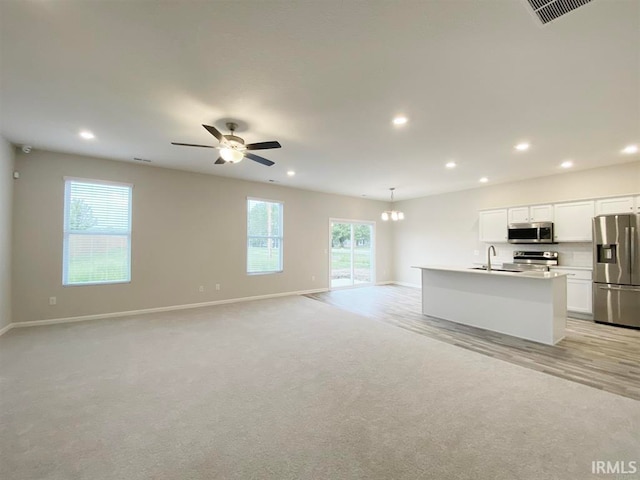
(373, 251)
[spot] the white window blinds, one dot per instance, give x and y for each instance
(97, 232)
(264, 236)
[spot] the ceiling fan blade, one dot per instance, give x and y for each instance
(263, 145)
(214, 131)
(191, 145)
(259, 159)
(219, 161)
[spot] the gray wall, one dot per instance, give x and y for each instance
(6, 201)
(443, 229)
(188, 230)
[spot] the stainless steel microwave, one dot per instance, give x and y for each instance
(537, 232)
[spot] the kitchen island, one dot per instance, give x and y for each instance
(529, 305)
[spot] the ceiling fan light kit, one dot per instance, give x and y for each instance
(231, 155)
(393, 215)
(232, 148)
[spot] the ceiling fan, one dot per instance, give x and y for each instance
(232, 148)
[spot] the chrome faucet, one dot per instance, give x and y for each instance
(491, 247)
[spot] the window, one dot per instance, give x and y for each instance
(97, 232)
(264, 236)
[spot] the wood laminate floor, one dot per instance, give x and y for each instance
(600, 356)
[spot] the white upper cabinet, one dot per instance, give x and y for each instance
(493, 226)
(606, 206)
(541, 213)
(519, 215)
(536, 213)
(573, 221)
(638, 204)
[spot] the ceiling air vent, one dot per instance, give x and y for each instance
(549, 10)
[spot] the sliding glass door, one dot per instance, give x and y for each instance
(352, 253)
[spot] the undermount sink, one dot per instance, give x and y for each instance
(495, 269)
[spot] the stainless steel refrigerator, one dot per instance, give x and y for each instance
(616, 269)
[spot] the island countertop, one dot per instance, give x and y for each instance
(525, 274)
(529, 305)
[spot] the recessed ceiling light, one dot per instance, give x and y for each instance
(400, 120)
(87, 135)
(521, 147)
(451, 165)
(629, 149)
(291, 173)
(484, 180)
(567, 164)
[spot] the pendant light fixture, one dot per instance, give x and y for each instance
(393, 215)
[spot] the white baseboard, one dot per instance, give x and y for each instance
(580, 316)
(405, 284)
(6, 328)
(84, 318)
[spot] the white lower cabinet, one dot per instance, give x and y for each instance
(579, 289)
(579, 294)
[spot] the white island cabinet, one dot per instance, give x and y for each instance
(529, 305)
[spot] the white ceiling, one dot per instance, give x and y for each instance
(325, 79)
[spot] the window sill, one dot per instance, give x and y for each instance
(119, 282)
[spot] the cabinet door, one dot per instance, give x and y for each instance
(493, 226)
(638, 204)
(579, 296)
(573, 221)
(541, 213)
(519, 215)
(606, 206)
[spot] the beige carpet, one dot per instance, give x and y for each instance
(289, 388)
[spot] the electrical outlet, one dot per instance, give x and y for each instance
(217, 286)
(201, 288)
(476, 252)
(53, 301)
(313, 278)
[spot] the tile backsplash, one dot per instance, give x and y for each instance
(579, 255)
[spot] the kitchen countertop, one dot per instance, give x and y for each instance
(567, 267)
(527, 274)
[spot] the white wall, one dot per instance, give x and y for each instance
(6, 201)
(188, 230)
(443, 229)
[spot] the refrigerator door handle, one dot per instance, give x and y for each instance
(619, 287)
(631, 237)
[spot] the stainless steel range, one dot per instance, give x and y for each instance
(537, 261)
